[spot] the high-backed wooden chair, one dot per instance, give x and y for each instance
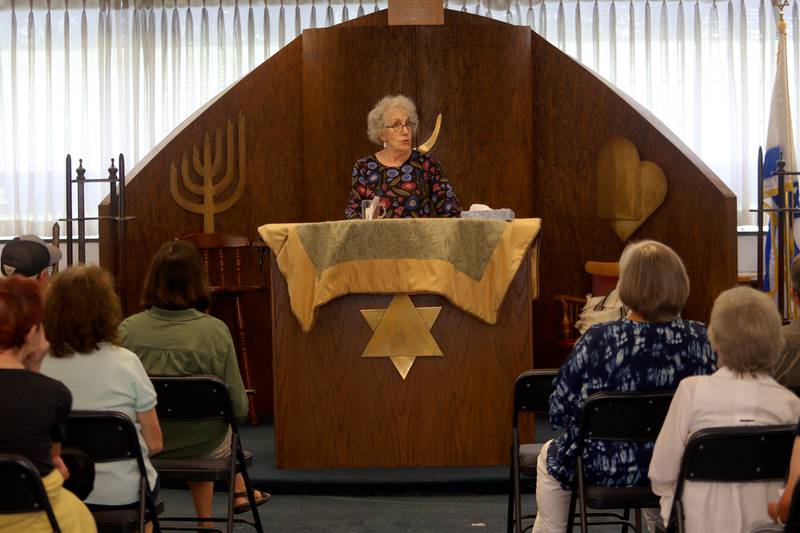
(604, 279)
(222, 256)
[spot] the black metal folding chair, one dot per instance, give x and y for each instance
(22, 490)
(733, 454)
(195, 398)
(616, 416)
(532, 391)
(109, 436)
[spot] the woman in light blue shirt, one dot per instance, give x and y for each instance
(81, 317)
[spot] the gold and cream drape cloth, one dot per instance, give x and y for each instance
(470, 262)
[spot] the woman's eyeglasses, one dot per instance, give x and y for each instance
(410, 126)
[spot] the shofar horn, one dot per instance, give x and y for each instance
(427, 146)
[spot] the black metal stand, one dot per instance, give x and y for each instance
(116, 181)
(784, 224)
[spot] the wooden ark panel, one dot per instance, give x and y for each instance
(522, 127)
(479, 78)
(335, 408)
(345, 72)
(574, 113)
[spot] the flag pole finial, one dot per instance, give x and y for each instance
(779, 5)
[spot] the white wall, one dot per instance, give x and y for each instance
(748, 255)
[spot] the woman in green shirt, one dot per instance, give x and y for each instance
(175, 337)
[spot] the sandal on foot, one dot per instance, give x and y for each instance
(260, 497)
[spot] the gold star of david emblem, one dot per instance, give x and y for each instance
(402, 333)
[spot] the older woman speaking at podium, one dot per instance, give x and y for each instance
(406, 182)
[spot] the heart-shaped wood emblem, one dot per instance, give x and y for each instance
(628, 190)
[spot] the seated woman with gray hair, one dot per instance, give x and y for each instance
(406, 182)
(745, 332)
(651, 348)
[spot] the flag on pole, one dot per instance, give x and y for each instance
(780, 145)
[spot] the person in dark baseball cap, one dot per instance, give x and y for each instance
(29, 256)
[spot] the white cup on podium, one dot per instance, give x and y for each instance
(372, 209)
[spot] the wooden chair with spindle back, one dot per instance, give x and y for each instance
(604, 280)
(226, 284)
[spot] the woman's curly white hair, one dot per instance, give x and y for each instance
(376, 120)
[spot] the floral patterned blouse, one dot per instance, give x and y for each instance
(622, 355)
(414, 189)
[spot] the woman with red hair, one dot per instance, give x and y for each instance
(34, 429)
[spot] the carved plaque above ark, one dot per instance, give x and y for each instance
(628, 190)
(416, 12)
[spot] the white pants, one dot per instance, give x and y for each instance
(552, 502)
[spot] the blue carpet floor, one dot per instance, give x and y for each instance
(371, 500)
(345, 514)
(372, 514)
(365, 481)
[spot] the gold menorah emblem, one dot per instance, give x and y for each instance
(207, 168)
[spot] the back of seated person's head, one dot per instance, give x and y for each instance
(81, 311)
(25, 258)
(20, 311)
(176, 279)
(652, 281)
(745, 331)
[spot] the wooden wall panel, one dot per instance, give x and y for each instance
(480, 80)
(345, 72)
(574, 113)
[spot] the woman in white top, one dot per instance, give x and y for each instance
(745, 332)
(81, 317)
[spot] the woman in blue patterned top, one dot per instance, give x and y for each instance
(409, 184)
(651, 349)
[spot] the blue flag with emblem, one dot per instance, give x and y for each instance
(780, 145)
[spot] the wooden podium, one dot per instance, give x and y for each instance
(335, 408)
